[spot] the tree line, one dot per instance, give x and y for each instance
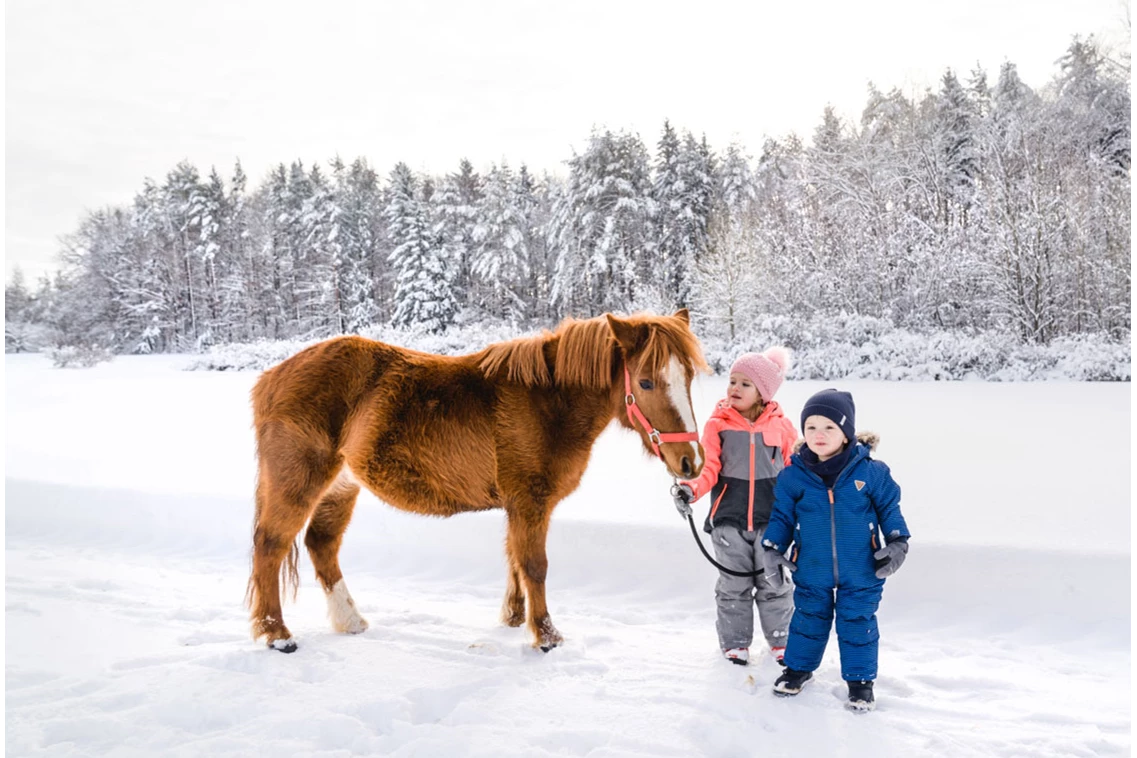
(972, 206)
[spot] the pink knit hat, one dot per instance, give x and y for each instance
(766, 370)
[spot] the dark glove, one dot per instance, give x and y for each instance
(772, 562)
(682, 495)
(890, 557)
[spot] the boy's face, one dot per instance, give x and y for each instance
(823, 437)
(742, 393)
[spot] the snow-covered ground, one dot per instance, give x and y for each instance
(128, 510)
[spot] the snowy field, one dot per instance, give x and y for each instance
(128, 509)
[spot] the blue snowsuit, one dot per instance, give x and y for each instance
(835, 533)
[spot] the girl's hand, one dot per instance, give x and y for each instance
(682, 495)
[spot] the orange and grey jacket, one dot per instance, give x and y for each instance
(742, 463)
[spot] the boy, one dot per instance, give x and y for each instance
(832, 504)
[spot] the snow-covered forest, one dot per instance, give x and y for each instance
(984, 212)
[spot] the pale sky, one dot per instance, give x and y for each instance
(100, 95)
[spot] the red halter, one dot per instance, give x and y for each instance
(635, 414)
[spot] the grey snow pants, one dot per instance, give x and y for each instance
(736, 595)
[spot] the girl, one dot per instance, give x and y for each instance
(747, 442)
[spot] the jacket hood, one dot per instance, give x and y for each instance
(868, 439)
(724, 411)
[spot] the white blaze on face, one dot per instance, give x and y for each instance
(677, 390)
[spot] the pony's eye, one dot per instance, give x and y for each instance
(645, 384)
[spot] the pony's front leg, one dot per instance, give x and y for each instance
(526, 544)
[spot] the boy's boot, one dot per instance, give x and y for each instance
(791, 682)
(779, 655)
(860, 696)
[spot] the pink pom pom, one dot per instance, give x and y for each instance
(780, 357)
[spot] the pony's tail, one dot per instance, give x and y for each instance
(289, 571)
(251, 587)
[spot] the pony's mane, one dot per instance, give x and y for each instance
(585, 352)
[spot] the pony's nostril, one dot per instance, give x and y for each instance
(686, 466)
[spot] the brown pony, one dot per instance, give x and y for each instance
(510, 427)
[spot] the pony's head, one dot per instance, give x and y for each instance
(661, 355)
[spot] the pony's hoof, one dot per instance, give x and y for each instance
(547, 636)
(355, 625)
(284, 646)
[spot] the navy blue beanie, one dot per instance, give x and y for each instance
(835, 405)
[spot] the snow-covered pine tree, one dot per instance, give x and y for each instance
(237, 283)
(1093, 123)
(455, 208)
(423, 296)
(660, 260)
(830, 215)
(275, 253)
(19, 328)
(1026, 226)
(88, 308)
(956, 151)
(736, 184)
(303, 286)
(182, 207)
(533, 198)
(212, 207)
(599, 225)
(501, 256)
(320, 227)
(356, 199)
(730, 277)
(979, 94)
(718, 289)
(891, 245)
(148, 277)
(692, 201)
(1095, 101)
(781, 229)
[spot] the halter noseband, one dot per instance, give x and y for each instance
(635, 414)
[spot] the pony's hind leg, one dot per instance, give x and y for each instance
(273, 542)
(525, 541)
(513, 606)
(323, 539)
(292, 475)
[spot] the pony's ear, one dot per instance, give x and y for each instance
(683, 316)
(628, 335)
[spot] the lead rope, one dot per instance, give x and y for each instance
(699, 542)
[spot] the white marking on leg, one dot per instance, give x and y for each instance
(677, 391)
(342, 612)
